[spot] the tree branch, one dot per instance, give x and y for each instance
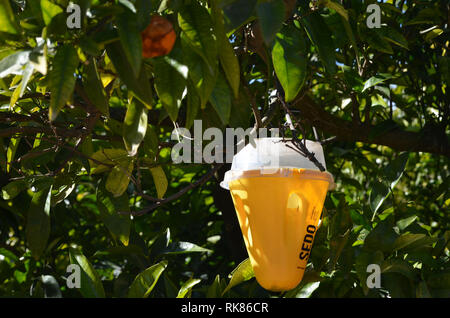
(175, 196)
(432, 140)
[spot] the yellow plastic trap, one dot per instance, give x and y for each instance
(279, 212)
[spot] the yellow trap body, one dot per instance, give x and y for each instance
(279, 214)
(278, 195)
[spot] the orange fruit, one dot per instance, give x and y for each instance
(158, 38)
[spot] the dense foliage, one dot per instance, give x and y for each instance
(85, 140)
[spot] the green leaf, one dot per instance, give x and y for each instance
(426, 16)
(151, 142)
(144, 9)
(304, 290)
(90, 283)
(170, 84)
(144, 283)
(11, 152)
(228, 59)
(134, 126)
(9, 255)
(336, 7)
(320, 36)
(27, 72)
(240, 274)
(130, 39)
(51, 287)
(377, 42)
(12, 189)
(138, 85)
(221, 99)
(375, 80)
(237, 13)
(271, 17)
(94, 87)
(378, 194)
(159, 244)
(89, 46)
(433, 34)
(62, 78)
(404, 223)
(160, 179)
(9, 23)
(408, 239)
(202, 76)
(193, 105)
(184, 247)
(62, 192)
(216, 288)
(187, 287)
(195, 22)
(38, 222)
(109, 206)
(108, 157)
(289, 61)
(240, 111)
(128, 4)
(397, 266)
(393, 36)
(119, 178)
(394, 170)
(382, 238)
(49, 10)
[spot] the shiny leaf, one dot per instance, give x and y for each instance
(289, 61)
(62, 78)
(38, 222)
(134, 126)
(144, 283)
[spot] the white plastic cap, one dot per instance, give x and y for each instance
(269, 155)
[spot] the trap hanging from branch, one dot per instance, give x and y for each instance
(298, 145)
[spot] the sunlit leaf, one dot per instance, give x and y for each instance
(240, 274)
(160, 179)
(119, 178)
(187, 287)
(49, 10)
(289, 61)
(144, 283)
(134, 126)
(9, 23)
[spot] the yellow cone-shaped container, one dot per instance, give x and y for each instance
(279, 211)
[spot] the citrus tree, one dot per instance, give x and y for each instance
(91, 90)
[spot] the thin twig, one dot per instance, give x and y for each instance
(175, 196)
(300, 145)
(255, 109)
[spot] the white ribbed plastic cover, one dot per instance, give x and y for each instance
(271, 154)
